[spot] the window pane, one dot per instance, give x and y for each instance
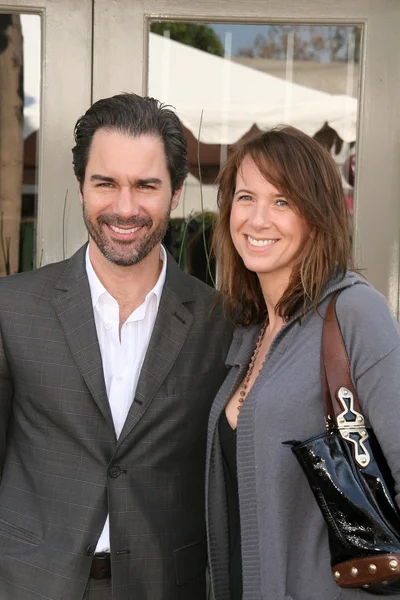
(19, 125)
(227, 81)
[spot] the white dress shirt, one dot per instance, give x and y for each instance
(122, 358)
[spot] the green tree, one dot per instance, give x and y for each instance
(310, 42)
(345, 42)
(192, 34)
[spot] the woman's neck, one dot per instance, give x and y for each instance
(273, 289)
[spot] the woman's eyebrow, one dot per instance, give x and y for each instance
(241, 191)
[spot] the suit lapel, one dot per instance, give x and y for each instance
(73, 306)
(171, 329)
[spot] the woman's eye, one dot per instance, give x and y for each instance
(245, 197)
(281, 202)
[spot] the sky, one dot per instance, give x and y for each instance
(242, 35)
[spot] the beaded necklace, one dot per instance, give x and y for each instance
(243, 388)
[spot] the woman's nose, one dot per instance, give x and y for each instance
(261, 216)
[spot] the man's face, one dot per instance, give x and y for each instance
(127, 196)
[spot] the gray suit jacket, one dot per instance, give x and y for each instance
(62, 468)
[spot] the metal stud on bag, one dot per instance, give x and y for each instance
(354, 572)
(372, 568)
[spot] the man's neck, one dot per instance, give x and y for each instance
(128, 285)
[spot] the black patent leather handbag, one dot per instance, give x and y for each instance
(350, 479)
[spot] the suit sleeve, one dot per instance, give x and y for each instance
(6, 394)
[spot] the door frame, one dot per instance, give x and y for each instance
(66, 93)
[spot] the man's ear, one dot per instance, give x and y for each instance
(176, 198)
(80, 191)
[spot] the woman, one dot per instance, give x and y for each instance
(282, 246)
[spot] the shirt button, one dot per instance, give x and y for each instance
(119, 379)
(114, 472)
(108, 325)
(90, 550)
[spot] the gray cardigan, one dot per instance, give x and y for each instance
(284, 539)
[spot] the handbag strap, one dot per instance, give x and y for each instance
(335, 367)
(342, 408)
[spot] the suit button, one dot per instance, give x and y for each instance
(91, 549)
(114, 472)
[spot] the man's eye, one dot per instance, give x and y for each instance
(147, 186)
(105, 184)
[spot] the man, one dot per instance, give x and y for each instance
(109, 362)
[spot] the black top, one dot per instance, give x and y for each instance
(227, 437)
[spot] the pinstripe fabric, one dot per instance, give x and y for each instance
(62, 468)
(98, 590)
(122, 352)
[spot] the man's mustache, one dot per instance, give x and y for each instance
(109, 219)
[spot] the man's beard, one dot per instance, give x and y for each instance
(120, 252)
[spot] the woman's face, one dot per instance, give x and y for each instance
(268, 234)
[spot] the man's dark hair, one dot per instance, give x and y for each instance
(132, 115)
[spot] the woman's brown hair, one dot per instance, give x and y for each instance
(306, 174)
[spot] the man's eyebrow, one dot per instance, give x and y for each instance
(149, 181)
(138, 182)
(96, 177)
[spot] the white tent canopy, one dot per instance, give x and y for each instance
(31, 32)
(234, 97)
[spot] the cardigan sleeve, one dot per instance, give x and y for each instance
(379, 395)
(372, 340)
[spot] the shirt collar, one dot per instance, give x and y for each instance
(97, 288)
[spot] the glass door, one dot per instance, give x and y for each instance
(230, 69)
(46, 75)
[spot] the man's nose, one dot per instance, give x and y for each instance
(126, 204)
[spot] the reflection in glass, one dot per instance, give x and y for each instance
(19, 122)
(227, 81)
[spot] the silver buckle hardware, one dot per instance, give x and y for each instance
(351, 426)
